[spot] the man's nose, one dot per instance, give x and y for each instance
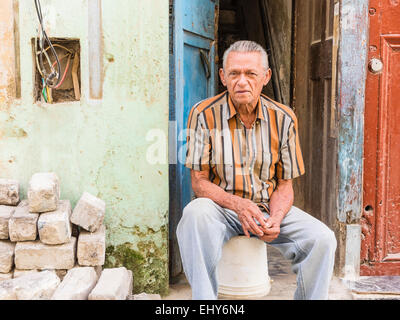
(242, 81)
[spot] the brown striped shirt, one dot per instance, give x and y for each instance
(244, 162)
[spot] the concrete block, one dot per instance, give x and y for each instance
(55, 227)
(91, 250)
(77, 284)
(5, 214)
(89, 212)
(43, 192)
(36, 286)
(6, 276)
(114, 284)
(7, 290)
(9, 192)
(22, 226)
(19, 273)
(38, 255)
(146, 296)
(6, 256)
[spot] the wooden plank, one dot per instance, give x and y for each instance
(74, 72)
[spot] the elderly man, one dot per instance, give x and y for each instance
(243, 152)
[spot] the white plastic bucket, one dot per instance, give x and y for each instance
(243, 269)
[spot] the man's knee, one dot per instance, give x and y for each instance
(197, 213)
(325, 239)
(198, 208)
(319, 237)
(328, 239)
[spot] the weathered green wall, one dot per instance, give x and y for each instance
(100, 146)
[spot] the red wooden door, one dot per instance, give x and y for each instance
(380, 249)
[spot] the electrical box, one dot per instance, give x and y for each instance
(68, 52)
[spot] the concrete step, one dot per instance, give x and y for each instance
(375, 288)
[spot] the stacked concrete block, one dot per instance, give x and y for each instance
(36, 286)
(77, 284)
(19, 273)
(6, 276)
(22, 226)
(9, 198)
(5, 214)
(37, 255)
(7, 290)
(33, 286)
(9, 192)
(55, 227)
(92, 247)
(146, 296)
(114, 284)
(6, 256)
(43, 192)
(89, 212)
(49, 251)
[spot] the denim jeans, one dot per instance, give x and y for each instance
(205, 227)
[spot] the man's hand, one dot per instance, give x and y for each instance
(280, 203)
(248, 213)
(273, 229)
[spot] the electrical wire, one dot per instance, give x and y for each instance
(44, 90)
(48, 78)
(65, 73)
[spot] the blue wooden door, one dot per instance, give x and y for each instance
(192, 79)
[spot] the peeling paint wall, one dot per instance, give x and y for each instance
(352, 70)
(99, 146)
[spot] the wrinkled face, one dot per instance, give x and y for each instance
(244, 76)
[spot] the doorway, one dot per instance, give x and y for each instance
(298, 37)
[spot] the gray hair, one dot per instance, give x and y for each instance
(246, 46)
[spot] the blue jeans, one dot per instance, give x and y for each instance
(205, 227)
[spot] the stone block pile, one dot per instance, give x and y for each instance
(49, 251)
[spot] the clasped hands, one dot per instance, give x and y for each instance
(248, 213)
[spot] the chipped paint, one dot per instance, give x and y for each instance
(352, 57)
(351, 90)
(7, 56)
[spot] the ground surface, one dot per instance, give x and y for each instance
(282, 287)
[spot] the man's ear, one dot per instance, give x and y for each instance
(222, 76)
(268, 76)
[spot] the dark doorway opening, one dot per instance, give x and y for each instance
(298, 37)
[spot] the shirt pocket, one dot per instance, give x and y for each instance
(262, 165)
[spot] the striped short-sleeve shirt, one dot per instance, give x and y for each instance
(244, 162)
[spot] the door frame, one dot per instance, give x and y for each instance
(179, 36)
(351, 64)
(350, 104)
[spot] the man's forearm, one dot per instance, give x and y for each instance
(281, 200)
(204, 188)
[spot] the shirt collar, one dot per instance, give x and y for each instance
(233, 112)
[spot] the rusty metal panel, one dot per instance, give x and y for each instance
(350, 95)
